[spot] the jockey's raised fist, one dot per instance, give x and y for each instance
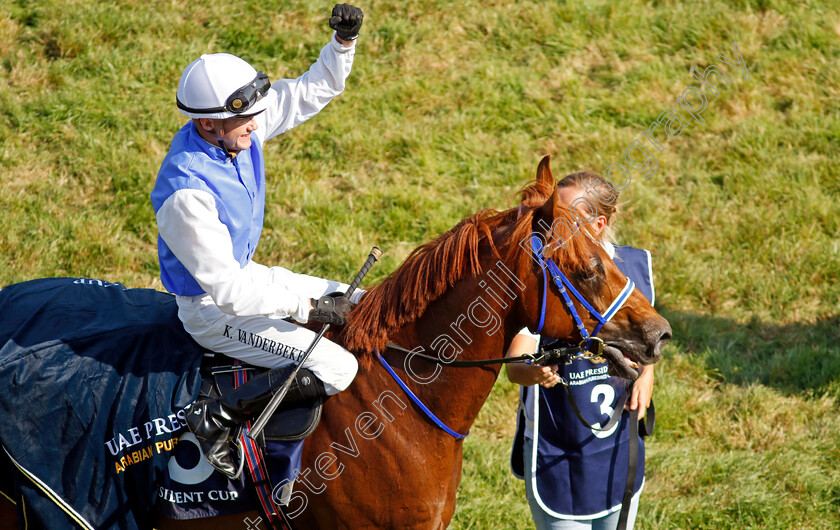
(346, 20)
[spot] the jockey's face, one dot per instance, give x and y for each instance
(234, 132)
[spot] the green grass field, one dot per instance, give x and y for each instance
(448, 110)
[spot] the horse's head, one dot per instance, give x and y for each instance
(633, 335)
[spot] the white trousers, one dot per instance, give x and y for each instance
(264, 341)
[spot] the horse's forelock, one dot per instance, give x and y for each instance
(572, 254)
(536, 192)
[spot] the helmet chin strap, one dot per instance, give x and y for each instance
(220, 140)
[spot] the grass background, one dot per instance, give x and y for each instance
(448, 110)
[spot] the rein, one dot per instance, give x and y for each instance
(547, 265)
(416, 400)
(545, 358)
(548, 356)
(526, 358)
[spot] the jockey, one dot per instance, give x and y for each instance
(209, 200)
(575, 476)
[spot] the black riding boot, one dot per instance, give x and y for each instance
(212, 421)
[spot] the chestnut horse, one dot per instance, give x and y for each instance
(451, 297)
(377, 460)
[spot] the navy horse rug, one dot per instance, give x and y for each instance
(94, 379)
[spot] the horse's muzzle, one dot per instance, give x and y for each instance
(657, 335)
(626, 352)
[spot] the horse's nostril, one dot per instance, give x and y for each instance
(665, 337)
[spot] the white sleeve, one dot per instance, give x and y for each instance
(311, 286)
(650, 275)
(293, 101)
(189, 224)
(527, 333)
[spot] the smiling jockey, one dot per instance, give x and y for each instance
(209, 199)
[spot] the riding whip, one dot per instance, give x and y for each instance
(276, 399)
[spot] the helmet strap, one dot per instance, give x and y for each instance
(215, 135)
(220, 140)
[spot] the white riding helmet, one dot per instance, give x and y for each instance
(221, 85)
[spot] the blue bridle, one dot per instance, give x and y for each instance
(564, 286)
(562, 283)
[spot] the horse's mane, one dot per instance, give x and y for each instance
(434, 267)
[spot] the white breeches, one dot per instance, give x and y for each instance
(265, 341)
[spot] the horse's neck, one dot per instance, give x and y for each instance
(475, 320)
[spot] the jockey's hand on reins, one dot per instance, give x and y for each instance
(330, 309)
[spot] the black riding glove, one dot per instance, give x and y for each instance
(330, 309)
(346, 21)
(339, 294)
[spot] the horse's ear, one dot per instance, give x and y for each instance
(547, 210)
(539, 190)
(545, 178)
(544, 171)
